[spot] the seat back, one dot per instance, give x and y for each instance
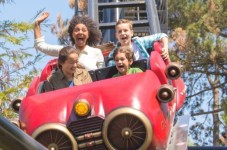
(108, 72)
(41, 87)
(93, 75)
(142, 64)
(51, 65)
(105, 73)
(44, 86)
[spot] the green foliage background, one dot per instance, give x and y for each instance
(17, 64)
(198, 31)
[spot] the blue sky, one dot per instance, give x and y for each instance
(25, 10)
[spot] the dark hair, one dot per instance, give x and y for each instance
(124, 49)
(93, 29)
(64, 53)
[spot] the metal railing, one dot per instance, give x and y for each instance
(148, 16)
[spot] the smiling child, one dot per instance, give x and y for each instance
(123, 57)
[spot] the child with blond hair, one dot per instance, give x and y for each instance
(141, 46)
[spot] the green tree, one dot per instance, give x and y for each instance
(198, 31)
(17, 64)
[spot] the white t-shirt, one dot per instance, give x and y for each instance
(91, 58)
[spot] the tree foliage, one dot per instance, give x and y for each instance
(198, 31)
(5, 1)
(60, 29)
(17, 64)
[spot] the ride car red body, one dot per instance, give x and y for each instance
(129, 112)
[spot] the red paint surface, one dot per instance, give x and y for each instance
(137, 91)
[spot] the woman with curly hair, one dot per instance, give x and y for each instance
(83, 32)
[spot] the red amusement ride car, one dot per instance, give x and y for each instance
(130, 112)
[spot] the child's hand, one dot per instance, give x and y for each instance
(165, 54)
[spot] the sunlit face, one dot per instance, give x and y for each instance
(122, 63)
(124, 34)
(80, 35)
(69, 66)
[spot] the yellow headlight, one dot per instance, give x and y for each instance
(82, 108)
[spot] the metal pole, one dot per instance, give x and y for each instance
(78, 12)
(117, 13)
(93, 10)
(76, 7)
(153, 17)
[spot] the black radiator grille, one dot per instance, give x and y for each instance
(87, 125)
(97, 147)
(88, 133)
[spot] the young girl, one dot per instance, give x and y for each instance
(140, 45)
(123, 57)
(69, 74)
(83, 32)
